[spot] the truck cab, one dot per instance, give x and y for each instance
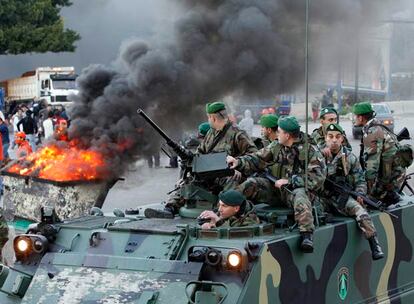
(57, 85)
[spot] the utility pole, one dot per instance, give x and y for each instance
(356, 69)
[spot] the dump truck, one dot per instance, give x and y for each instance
(56, 85)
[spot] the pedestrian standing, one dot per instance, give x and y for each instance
(48, 125)
(28, 125)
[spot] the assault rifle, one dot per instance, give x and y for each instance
(266, 174)
(403, 135)
(344, 188)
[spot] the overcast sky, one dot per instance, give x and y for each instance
(103, 25)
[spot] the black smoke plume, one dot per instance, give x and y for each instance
(250, 47)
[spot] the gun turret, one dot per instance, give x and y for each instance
(183, 153)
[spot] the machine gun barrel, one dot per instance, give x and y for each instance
(178, 149)
(343, 188)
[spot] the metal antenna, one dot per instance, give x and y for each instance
(307, 92)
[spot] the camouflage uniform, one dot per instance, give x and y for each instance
(260, 142)
(318, 137)
(384, 172)
(247, 217)
(4, 232)
(345, 168)
(285, 163)
(235, 142)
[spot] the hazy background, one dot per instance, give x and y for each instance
(103, 26)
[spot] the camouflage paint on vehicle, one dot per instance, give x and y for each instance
(99, 259)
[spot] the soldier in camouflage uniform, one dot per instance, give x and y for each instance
(379, 146)
(233, 211)
(222, 137)
(4, 232)
(327, 116)
(343, 168)
(194, 141)
(286, 160)
(269, 126)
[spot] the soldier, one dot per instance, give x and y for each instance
(269, 126)
(327, 116)
(343, 168)
(193, 142)
(222, 137)
(286, 159)
(379, 146)
(233, 211)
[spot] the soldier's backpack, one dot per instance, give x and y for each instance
(406, 154)
(405, 151)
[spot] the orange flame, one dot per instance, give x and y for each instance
(59, 163)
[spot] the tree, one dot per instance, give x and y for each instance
(34, 26)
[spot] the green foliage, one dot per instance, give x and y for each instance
(34, 26)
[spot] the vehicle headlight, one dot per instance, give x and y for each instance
(213, 257)
(220, 258)
(29, 246)
(234, 259)
(23, 245)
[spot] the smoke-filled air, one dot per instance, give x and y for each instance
(252, 48)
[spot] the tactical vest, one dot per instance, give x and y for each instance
(283, 169)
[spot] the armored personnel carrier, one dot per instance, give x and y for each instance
(131, 259)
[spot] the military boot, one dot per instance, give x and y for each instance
(306, 244)
(375, 248)
(159, 213)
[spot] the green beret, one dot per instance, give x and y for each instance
(215, 107)
(203, 128)
(335, 127)
(289, 124)
(327, 111)
(232, 197)
(362, 108)
(269, 121)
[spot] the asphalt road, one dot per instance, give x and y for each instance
(144, 187)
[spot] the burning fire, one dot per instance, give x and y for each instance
(62, 163)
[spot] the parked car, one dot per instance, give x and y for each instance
(383, 114)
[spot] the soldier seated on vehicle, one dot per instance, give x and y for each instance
(285, 158)
(344, 169)
(269, 124)
(379, 146)
(222, 137)
(194, 141)
(327, 116)
(233, 211)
